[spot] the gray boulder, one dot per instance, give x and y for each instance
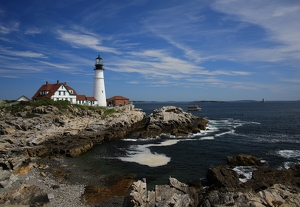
(175, 194)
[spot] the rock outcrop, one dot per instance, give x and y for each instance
(175, 194)
(267, 187)
(72, 131)
(243, 160)
(29, 195)
(172, 121)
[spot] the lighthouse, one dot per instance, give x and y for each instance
(99, 88)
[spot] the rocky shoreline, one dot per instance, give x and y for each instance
(31, 174)
(50, 133)
(267, 187)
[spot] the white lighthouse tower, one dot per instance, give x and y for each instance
(99, 88)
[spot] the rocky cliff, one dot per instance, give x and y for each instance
(46, 131)
(72, 131)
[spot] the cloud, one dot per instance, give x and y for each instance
(291, 80)
(28, 54)
(279, 21)
(9, 27)
(55, 65)
(159, 68)
(33, 31)
(80, 39)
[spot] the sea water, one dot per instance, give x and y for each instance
(269, 130)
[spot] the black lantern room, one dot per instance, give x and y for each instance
(98, 63)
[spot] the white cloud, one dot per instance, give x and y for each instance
(278, 19)
(160, 68)
(33, 31)
(84, 40)
(16, 53)
(55, 65)
(9, 27)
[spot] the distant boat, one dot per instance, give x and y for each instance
(194, 108)
(263, 100)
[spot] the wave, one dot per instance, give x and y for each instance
(207, 138)
(223, 133)
(289, 153)
(245, 171)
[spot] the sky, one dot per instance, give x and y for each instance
(153, 50)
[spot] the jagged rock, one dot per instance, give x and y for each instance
(268, 187)
(263, 177)
(243, 160)
(175, 194)
(25, 195)
(174, 121)
(4, 178)
(221, 176)
(178, 185)
(274, 196)
(139, 193)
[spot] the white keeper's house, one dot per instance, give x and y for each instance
(62, 91)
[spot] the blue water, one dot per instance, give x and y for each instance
(270, 131)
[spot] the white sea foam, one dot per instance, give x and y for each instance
(245, 171)
(142, 155)
(207, 138)
(130, 140)
(289, 153)
(223, 133)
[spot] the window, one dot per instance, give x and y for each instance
(64, 93)
(59, 93)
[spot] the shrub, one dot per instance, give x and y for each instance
(107, 112)
(30, 115)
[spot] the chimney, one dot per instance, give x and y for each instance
(46, 82)
(57, 82)
(65, 83)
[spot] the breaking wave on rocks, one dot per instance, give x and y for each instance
(142, 154)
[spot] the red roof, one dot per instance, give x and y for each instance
(91, 99)
(85, 98)
(81, 97)
(118, 98)
(51, 88)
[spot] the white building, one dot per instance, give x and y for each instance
(99, 87)
(61, 91)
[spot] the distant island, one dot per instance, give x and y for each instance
(203, 101)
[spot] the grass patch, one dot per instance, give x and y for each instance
(61, 104)
(107, 112)
(92, 108)
(30, 115)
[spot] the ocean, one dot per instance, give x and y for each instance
(269, 131)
